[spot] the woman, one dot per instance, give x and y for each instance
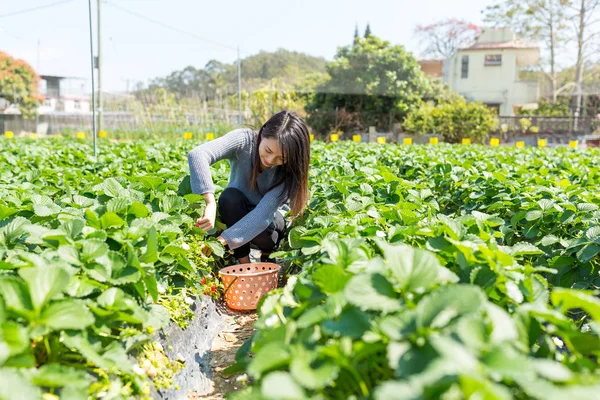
(268, 168)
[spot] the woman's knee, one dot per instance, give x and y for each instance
(231, 198)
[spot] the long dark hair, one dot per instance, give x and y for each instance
(292, 134)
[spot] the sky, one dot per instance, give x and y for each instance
(144, 39)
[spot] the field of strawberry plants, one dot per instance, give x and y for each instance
(419, 272)
(96, 255)
(429, 272)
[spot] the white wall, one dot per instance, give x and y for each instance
(493, 84)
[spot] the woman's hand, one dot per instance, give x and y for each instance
(207, 222)
(207, 251)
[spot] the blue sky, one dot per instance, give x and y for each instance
(136, 49)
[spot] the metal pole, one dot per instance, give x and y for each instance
(37, 91)
(93, 85)
(100, 105)
(239, 86)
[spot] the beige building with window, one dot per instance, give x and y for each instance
(492, 69)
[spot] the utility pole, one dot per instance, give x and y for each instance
(93, 87)
(37, 91)
(239, 63)
(100, 106)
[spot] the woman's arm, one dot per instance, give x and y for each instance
(255, 221)
(202, 157)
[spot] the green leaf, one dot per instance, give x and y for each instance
(272, 356)
(448, 304)
(57, 375)
(533, 215)
(281, 385)
(111, 187)
(92, 249)
(15, 294)
(117, 204)
(13, 385)
(43, 206)
(14, 339)
(73, 227)
(172, 203)
(216, 247)
(111, 220)
(372, 292)
(588, 252)
(311, 373)
(568, 299)
(44, 283)
(139, 210)
(352, 323)
(67, 314)
(454, 228)
(330, 278)
(151, 254)
(414, 270)
(158, 317)
(294, 237)
(92, 219)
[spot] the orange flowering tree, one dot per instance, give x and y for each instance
(18, 84)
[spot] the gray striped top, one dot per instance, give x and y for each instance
(238, 147)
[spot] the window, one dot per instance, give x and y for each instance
(493, 60)
(465, 67)
(77, 105)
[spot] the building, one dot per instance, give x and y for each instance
(63, 94)
(492, 71)
(433, 68)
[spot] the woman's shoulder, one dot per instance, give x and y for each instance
(246, 134)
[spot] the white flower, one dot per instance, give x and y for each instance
(272, 320)
(185, 246)
(139, 370)
(161, 288)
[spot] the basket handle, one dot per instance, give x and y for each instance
(232, 282)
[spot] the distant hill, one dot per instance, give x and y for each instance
(282, 69)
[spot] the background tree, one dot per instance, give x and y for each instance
(542, 20)
(18, 84)
(373, 83)
(443, 38)
(584, 17)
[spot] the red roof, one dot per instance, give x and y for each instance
(511, 44)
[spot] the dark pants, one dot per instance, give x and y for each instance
(233, 206)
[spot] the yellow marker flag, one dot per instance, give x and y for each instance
(407, 140)
(433, 140)
(9, 134)
(542, 142)
(187, 135)
(311, 137)
(381, 140)
(334, 137)
(466, 141)
(102, 134)
(494, 142)
(572, 144)
(356, 138)
(520, 144)
(210, 136)
(80, 135)
(33, 135)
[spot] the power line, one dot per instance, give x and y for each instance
(172, 28)
(36, 8)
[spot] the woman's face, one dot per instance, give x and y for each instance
(270, 153)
